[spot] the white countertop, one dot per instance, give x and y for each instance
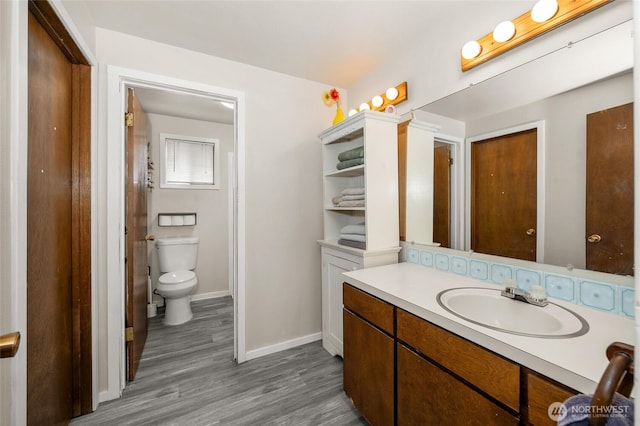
(577, 362)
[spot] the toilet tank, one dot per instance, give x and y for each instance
(177, 254)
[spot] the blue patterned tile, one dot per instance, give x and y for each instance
(560, 287)
(442, 262)
(426, 258)
(459, 265)
(627, 298)
(499, 273)
(479, 270)
(598, 295)
(413, 255)
(526, 278)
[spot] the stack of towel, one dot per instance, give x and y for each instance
(353, 236)
(349, 197)
(351, 158)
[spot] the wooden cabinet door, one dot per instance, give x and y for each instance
(609, 197)
(541, 393)
(504, 195)
(368, 370)
(429, 396)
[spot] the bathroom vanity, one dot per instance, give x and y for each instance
(407, 360)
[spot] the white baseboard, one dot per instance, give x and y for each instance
(211, 295)
(268, 350)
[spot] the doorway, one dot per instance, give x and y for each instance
(118, 80)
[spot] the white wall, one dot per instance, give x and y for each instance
(283, 182)
(210, 206)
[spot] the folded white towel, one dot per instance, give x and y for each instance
(336, 200)
(352, 191)
(352, 197)
(353, 237)
(351, 203)
(357, 228)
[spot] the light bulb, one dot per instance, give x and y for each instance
(352, 112)
(377, 101)
(364, 106)
(391, 93)
(504, 31)
(471, 49)
(544, 10)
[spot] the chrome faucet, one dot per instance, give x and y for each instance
(537, 298)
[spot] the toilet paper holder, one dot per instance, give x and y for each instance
(177, 219)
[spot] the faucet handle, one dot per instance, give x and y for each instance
(538, 292)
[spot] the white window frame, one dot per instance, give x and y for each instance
(189, 185)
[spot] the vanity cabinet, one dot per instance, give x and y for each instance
(440, 377)
(368, 366)
(376, 133)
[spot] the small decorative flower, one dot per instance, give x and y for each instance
(331, 97)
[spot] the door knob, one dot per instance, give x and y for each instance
(595, 238)
(150, 237)
(9, 344)
(531, 232)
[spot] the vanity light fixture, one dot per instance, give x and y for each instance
(545, 16)
(392, 96)
(352, 112)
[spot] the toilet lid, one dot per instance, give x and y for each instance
(176, 277)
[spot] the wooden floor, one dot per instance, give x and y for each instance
(187, 376)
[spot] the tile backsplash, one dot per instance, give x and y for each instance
(615, 295)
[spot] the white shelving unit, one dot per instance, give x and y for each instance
(377, 133)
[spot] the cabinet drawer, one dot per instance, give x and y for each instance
(429, 396)
(485, 370)
(372, 309)
(542, 392)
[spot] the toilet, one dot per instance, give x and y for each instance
(177, 258)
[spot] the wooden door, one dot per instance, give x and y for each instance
(609, 193)
(442, 194)
(402, 178)
(504, 195)
(136, 225)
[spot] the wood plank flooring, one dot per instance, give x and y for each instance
(187, 376)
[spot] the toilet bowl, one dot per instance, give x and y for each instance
(176, 288)
(177, 258)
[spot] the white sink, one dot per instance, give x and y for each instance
(486, 307)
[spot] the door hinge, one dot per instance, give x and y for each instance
(128, 119)
(128, 334)
(450, 161)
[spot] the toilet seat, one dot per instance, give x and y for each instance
(176, 277)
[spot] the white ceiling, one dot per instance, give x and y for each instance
(337, 42)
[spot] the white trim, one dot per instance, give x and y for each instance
(540, 164)
(210, 295)
(117, 79)
(231, 220)
(268, 350)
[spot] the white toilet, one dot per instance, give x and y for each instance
(177, 258)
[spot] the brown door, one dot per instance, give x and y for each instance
(442, 194)
(609, 197)
(504, 195)
(58, 224)
(136, 233)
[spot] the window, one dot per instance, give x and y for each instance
(189, 162)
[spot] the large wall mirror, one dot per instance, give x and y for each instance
(558, 96)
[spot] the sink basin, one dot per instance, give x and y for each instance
(486, 307)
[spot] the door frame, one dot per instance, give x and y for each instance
(13, 164)
(457, 187)
(117, 80)
(540, 165)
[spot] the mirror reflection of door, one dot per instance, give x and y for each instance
(609, 196)
(504, 195)
(442, 194)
